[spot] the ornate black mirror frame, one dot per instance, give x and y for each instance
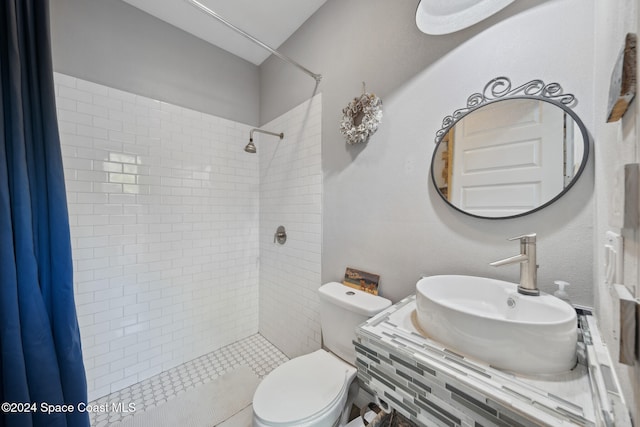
(500, 89)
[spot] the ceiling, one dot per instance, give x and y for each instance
(271, 22)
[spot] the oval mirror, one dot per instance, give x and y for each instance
(510, 152)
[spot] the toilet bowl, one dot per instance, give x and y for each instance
(317, 389)
(310, 390)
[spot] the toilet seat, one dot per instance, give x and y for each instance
(303, 389)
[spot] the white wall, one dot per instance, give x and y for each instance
(380, 212)
(615, 145)
(163, 208)
(399, 227)
(115, 44)
(291, 195)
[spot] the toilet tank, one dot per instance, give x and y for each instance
(342, 310)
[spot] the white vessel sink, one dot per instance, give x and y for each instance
(489, 320)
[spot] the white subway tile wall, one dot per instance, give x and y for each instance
(163, 206)
(291, 195)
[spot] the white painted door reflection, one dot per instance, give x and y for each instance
(509, 158)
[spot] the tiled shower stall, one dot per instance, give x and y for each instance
(172, 231)
(291, 195)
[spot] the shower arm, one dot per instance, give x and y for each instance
(280, 135)
(282, 56)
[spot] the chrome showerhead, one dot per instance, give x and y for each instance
(251, 147)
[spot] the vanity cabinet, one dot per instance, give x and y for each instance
(434, 386)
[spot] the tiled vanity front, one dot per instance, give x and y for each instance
(434, 386)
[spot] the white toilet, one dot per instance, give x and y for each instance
(317, 389)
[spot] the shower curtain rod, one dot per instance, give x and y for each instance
(213, 14)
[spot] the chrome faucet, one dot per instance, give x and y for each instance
(528, 266)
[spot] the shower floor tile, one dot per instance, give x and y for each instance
(255, 351)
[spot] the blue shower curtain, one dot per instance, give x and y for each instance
(40, 354)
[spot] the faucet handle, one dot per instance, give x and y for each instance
(525, 238)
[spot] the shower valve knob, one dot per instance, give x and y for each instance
(280, 236)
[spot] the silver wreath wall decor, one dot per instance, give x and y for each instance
(361, 117)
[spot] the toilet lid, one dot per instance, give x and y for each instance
(302, 388)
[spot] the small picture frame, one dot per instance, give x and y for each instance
(361, 280)
(623, 80)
